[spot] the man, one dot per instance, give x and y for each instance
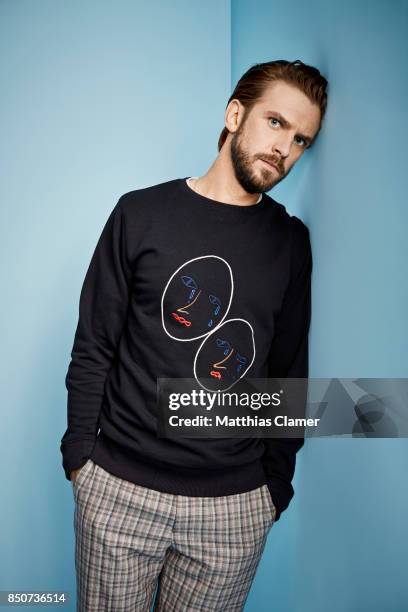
(210, 263)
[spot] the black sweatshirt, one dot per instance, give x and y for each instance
(157, 246)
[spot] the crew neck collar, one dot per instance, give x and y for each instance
(224, 208)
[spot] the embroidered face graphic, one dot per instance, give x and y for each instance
(229, 366)
(197, 298)
(187, 309)
(225, 355)
(194, 304)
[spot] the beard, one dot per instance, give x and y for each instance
(243, 164)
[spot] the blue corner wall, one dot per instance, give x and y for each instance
(342, 543)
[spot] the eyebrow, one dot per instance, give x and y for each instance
(286, 124)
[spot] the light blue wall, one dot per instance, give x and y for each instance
(342, 545)
(97, 98)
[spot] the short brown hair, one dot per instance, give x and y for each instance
(254, 81)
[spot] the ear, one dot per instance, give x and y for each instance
(234, 114)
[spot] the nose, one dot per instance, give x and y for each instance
(282, 146)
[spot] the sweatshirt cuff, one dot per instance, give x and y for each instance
(76, 454)
(281, 493)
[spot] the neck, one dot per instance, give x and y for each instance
(219, 182)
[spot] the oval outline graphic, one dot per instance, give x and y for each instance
(205, 340)
(226, 311)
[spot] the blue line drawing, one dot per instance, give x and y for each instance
(190, 282)
(214, 300)
(242, 362)
(223, 343)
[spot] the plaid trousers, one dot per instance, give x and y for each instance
(200, 552)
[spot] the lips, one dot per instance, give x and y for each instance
(270, 164)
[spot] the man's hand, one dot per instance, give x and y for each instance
(74, 474)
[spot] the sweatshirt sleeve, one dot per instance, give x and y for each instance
(103, 306)
(288, 358)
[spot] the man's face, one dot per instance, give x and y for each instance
(277, 129)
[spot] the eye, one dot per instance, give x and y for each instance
(303, 142)
(274, 119)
